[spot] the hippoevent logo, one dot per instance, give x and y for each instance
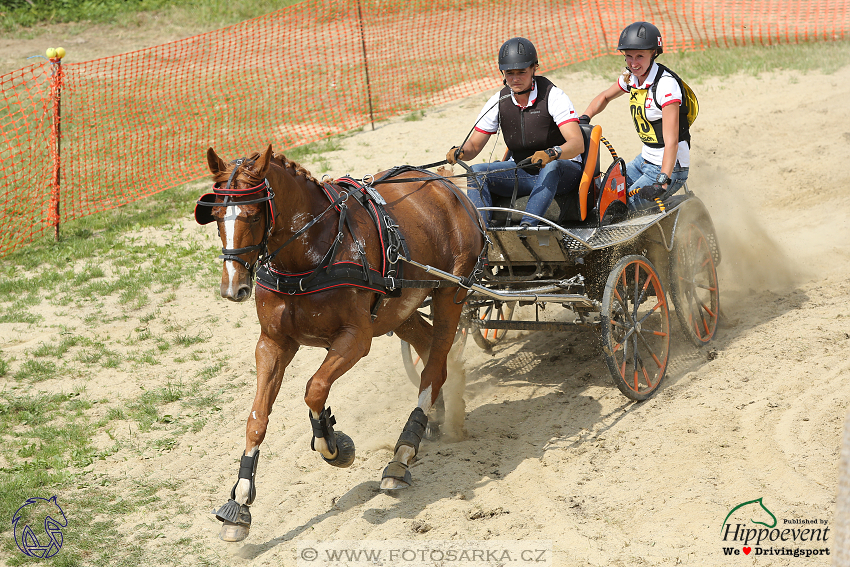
(752, 529)
(42, 545)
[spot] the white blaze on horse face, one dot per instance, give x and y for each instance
(229, 224)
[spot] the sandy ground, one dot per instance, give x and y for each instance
(553, 451)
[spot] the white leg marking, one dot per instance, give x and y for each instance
(404, 455)
(425, 400)
(243, 487)
(321, 445)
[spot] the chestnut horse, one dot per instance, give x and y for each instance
(267, 203)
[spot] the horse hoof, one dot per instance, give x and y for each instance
(231, 532)
(396, 476)
(433, 432)
(393, 484)
(345, 451)
(236, 521)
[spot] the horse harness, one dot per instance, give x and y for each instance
(204, 215)
(331, 273)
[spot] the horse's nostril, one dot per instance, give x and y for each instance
(244, 292)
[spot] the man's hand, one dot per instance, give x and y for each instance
(454, 154)
(651, 192)
(543, 157)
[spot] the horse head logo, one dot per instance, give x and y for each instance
(27, 540)
(761, 506)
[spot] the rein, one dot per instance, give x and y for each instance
(524, 163)
(339, 201)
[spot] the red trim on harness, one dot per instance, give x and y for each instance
(290, 274)
(373, 289)
(239, 192)
(381, 236)
(351, 181)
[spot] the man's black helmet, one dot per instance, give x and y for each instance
(517, 53)
(641, 35)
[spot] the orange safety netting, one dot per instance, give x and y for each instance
(138, 123)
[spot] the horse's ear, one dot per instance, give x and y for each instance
(263, 162)
(216, 164)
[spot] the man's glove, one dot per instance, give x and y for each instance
(543, 157)
(454, 154)
(584, 119)
(651, 192)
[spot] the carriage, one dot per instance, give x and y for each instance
(609, 269)
(338, 263)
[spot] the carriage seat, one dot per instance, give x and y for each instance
(565, 207)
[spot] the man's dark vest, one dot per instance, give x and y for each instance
(532, 128)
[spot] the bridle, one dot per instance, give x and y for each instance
(264, 256)
(210, 200)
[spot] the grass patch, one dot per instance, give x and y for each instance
(18, 314)
(210, 371)
(21, 15)
(37, 371)
(57, 350)
(316, 148)
(696, 66)
(189, 340)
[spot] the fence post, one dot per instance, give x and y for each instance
(56, 140)
(365, 63)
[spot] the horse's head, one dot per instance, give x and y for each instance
(242, 204)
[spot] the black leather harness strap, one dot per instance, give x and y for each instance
(330, 273)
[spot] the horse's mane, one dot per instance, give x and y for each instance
(297, 169)
(278, 159)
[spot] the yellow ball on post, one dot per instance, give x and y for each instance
(60, 52)
(51, 53)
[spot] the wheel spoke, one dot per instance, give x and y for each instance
(643, 291)
(635, 362)
(649, 348)
(635, 300)
(707, 310)
(651, 311)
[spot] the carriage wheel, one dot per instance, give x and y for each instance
(635, 327)
(693, 285)
(414, 364)
(498, 310)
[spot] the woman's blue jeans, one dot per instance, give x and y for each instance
(556, 177)
(640, 173)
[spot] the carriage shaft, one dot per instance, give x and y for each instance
(571, 298)
(531, 325)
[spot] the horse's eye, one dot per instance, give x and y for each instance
(254, 219)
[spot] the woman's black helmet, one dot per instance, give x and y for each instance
(641, 35)
(517, 53)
